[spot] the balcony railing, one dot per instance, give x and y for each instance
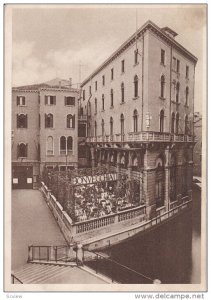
(143, 136)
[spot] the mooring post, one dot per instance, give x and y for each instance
(156, 281)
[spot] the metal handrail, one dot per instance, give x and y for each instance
(48, 254)
(15, 278)
(118, 264)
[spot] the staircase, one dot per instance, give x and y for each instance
(32, 273)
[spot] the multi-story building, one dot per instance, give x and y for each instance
(140, 105)
(197, 153)
(44, 130)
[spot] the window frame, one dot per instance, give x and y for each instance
(123, 66)
(122, 92)
(187, 70)
(66, 98)
(70, 121)
(51, 121)
(24, 120)
(163, 57)
(49, 99)
(26, 150)
(112, 73)
(19, 100)
(47, 149)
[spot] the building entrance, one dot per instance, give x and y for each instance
(22, 177)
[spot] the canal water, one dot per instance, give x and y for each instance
(170, 253)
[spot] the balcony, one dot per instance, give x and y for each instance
(144, 136)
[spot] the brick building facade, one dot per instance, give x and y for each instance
(44, 130)
(140, 105)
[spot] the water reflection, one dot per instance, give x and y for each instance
(170, 253)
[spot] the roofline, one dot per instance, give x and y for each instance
(148, 25)
(16, 89)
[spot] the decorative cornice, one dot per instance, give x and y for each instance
(149, 25)
(45, 89)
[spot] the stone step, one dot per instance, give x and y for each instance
(50, 276)
(34, 274)
(28, 271)
(43, 275)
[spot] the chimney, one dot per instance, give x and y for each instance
(169, 32)
(70, 79)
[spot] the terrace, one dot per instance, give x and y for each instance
(142, 136)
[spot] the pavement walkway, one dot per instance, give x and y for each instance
(34, 224)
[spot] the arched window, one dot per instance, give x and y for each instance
(70, 121)
(177, 91)
(172, 122)
(69, 144)
(48, 121)
(136, 86)
(123, 162)
(162, 121)
(62, 145)
(159, 185)
(177, 124)
(95, 105)
(103, 104)
(22, 150)
(187, 131)
(135, 163)
(112, 98)
(135, 121)
(122, 93)
(95, 129)
(122, 125)
(162, 86)
(173, 181)
(21, 121)
(187, 96)
(103, 128)
(111, 126)
(50, 145)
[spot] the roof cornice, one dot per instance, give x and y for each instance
(149, 25)
(45, 89)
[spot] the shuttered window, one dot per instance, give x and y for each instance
(69, 100)
(50, 100)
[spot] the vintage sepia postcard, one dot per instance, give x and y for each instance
(105, 147)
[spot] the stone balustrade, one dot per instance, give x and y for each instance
(143, 136)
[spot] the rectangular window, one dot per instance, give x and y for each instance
(187, 72)
(90, 90)
(112, 74)
(123, 66)
(83, 94)
(69, 100)
(21, 100)
(162, 58)
(136, 56)
(95, 85)
(178, 65)
(103, 79)
(50, 100)
(174, 63)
